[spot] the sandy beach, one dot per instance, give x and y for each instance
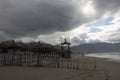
(112, 67)
(106, 70)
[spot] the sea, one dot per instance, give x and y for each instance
(114, 56)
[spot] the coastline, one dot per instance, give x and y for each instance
(105, 64)
(114, 56)
(112, 66)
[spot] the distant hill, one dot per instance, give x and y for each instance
(97, 47)
(21, 44)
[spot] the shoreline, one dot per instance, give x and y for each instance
(112, 66)
(115, 56)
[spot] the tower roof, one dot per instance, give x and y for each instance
(65, 42)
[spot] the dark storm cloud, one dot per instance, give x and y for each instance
(35, 17)
(103, 6)
(21, 18)
(3, 36)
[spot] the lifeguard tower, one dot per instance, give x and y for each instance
(65, 49)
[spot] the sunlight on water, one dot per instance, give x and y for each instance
(110, 56)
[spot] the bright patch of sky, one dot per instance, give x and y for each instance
(104, 22)
(88, 9)
(95, 30)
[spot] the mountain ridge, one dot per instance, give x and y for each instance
(97, 47)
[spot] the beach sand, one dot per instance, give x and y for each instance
(106, 70)
(112, 67)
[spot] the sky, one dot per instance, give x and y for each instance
(80, 21)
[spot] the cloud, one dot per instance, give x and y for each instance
(109, 33)
(20, 18)
(80, 39)
(106, 6)
(82, 21)
(3, 36)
